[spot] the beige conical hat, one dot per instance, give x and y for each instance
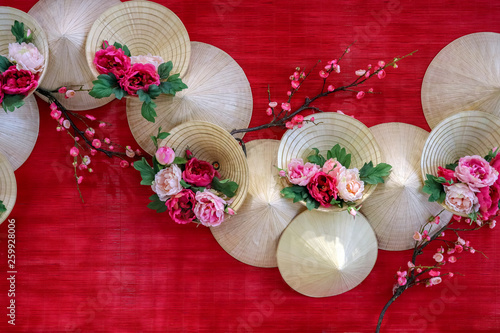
(398, 207)
(8, 16)
(213, 144)
(19, 131)
(218, 91)
(325, 254)
(462, 134)
(67, 24)
(252, 235)
(8, 187)
(332, 128)
(145, 27)
(464, 75)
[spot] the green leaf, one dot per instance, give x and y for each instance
(119, 93)
(4, 64)
(104, 86)
(154, 91)
(172, 85)
(316, 158)
(126, 50)
(193, 188)
(144, 96)
(156, 165)
(147, 172)
(374, 175)
(11, 102)
(117, 45)
(300, 193)
(157, 204)
(179, 160)
(18, 31)
(2, 207)
(434, 188)
(227, 187)
(340, 154)
(174, 77)
(473, 216)
(148, 111)
(164, 70)
(452, 166)
(184, 184)
(162, 135)
(491, 155)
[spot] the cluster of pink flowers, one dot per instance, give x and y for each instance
(183, 204)
(330, 182)
(379, 70)
(473, 186)
(22, 77)
(133, 73)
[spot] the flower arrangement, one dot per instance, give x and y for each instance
(143, 76)
(469, 186)
(188, 188)
(329, 181)
(20, 70)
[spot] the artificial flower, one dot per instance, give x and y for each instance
(209, 208)
(349, 185)
(476, 172)
(300, 173)
(447, 174)
(180, 206)
(322, 188)
(461, 198)
(18, 81)
(165, 155)
(112, 60)
(167, 182)
(147, 59)
(26, 57)
(140, 77)
(198, 172)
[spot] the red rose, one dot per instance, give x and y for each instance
(1, 88)
(112, 60)
(180, 206)
(140, 76)
(198, 173)
(447, 174)
(488, 198)
(16, 82)
(322, 188)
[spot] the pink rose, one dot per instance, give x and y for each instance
(112, 60)
(180, 206)
(460, 198)
(476, 172)
(140, 76)
(332, 167)
(18, 81)
(322, 188)
(167, 182)
(198, 172)
(300, 174)
(26, 57)
(147, 59)
(349, 185)
(165, 155)
(447, 174)
(209, 209)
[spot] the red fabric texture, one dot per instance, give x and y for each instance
(112, 265)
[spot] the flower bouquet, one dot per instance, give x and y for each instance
(190, 188)
(21, 69)
(143, 76)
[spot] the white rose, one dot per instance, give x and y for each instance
(349, 185)
(27, 57)
(167, 182)
(147, 59)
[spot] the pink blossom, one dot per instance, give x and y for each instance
(295, 84)
(437, 219)
(282, 173)
(111, 147)
(493, 224)
(62, 90)
(434, 273)
(289, 125)
(90, 132)
(165, 155)
(107, 141)
(476, 172)
(438, 257)
(419, 270)
(289, 93)
(450, 274)
(55, 114)
(93, 152)
(452, 259)
(124, 164)
(381, 74)
(209, 209)
(129, 152)
(417, 236)
(471, 250)
(297, 119)
(66, 124)
(82, 167)
(269, 111)
(273, 104)
(300, 173)
(460, 198)
(402, 277)
(360, 94)
(461, 241)
(381, 63)
(86, 160)
(458, 248)
(331, 88)
(440, 249)
(360, 72)
(102, 125)
(450, 250)
(312, 119)
(230, 211)
(90, 117)
(69, 94)
(79, 180)
(286, 106)
(436, 280)
(411, 265)
(352, 210)
(96, 143)
(457, 217)
(74, 151)
(323, 74)
(53, 106)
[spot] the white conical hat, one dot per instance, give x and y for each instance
(8, 186)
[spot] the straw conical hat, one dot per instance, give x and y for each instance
(398, 207)
(325, 254)
(7, 17)
(218, 91)
(463, 134)
(465, 75)
(67, 23)
(8, 187)
(252, 235)
(145, 27)
(212, 143)
(19, 131)
(332, 128)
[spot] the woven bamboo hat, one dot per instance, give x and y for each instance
(8, 187)
(252, 235)
(398, 207)
(145, 27)
(19, 131)
(464, 75)
(463, 134)
(218, 91)
(331, 128)
(8, 16)
(67, 24)
(326, 254)
(213, 144)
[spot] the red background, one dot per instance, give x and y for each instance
(112, 265)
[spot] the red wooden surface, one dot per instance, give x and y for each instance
(112, 265)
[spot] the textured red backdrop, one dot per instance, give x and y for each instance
(112, 265)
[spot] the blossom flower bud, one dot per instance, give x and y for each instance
(273, 104)
(62, 90)
(381, 63)
(96, 143)
(269, 111)
(66, 124)
(74, 151)
(90, 117)
(360, 94)
(124, 164)
(70, 93)
(323, 74)
(102, 125)
(79, 180)
(331, 88)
